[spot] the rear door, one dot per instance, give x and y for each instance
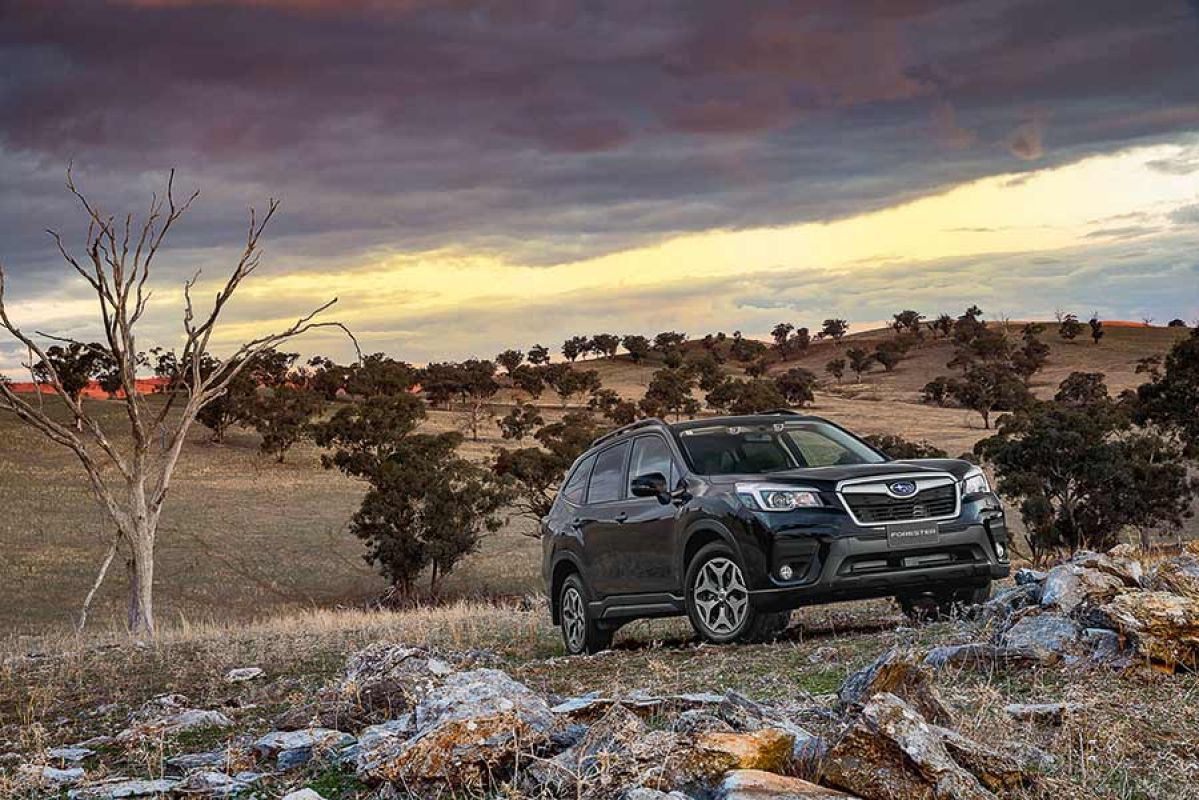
(603, 517)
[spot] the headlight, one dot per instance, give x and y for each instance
(777, 498)
(975, 482)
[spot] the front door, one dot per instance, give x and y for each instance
(644, 540)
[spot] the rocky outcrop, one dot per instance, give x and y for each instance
(750, 784)
(899, 674)
(1068, 586)
(1178, 575)
(1044, 638)
(1163, 628)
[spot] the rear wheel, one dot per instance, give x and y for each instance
(580, 633)
(718, 600)
(945, 604)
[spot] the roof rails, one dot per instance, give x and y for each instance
(641, 423)
(787, 411)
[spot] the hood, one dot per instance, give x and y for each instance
(829, 476)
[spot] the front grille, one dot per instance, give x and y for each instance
(939, 501)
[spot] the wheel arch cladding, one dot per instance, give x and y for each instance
(562, 570)
(699, 537)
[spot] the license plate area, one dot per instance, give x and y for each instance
(901, 536)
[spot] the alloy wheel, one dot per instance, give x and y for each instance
(574, 620)
(721, 596)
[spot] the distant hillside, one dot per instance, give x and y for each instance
(1116, 356)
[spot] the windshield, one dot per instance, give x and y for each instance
(758, 449)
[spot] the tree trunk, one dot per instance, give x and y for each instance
(141, 580)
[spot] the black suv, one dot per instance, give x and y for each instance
(735, 521)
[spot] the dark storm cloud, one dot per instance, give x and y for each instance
(547, 131)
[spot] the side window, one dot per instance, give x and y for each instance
(607, 479)
(576, 485)
(652, 454)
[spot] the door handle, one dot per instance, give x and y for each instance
(621, 517)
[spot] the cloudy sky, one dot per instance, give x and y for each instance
(469, 175)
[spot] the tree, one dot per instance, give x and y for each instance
(991, 387)
(1176, 323)
(889, 353)
(942, 325)
(530, 380)
(908, 321)
(938, 390)
(1032, 354)
(796, 385)
(706, 368)
(1170, 398)
(1082, 389)
(1081, 474)
(802, 340)
(568, 383)
(376, 374)
(834, 329)
(132, 481)
(781, 333)
(613, 406)
(574, 347)
(533, 473)
(539, 354)
(510, 360)
(441, 382)
(477, 387)
(757, 368)
(1069, 328)
(75, 364)
(108, 375)
(282, 417)
(669, 392)
(746, 350)
(836, 368)
(897, 447)
(859, 361)
(1096, 329)
(605, 344)
(669, 340)
(746, 397)
(362, 436)
(637, 346)
(427, 507)
(520, 422)
(231, 407)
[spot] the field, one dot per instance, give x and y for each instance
(244, 538)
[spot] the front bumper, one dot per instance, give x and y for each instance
(842, 561)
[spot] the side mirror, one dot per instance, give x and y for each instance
(652, 484)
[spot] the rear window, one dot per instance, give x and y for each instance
(576, 485)
(607, 479)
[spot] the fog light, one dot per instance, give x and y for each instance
(785, 572)
(1001, 551)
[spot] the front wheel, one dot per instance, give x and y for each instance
(718, 602)
(580, 633)
(944, 604)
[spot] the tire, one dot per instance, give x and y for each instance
(580, 633)
(718, 600)
(947, 604)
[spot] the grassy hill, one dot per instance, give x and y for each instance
(244, 538)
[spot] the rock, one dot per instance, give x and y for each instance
(1068, 586)
(338, 713)
(304, 794)
(697, 720)
(215, 784)
(745, 715)
(472, 726)
(995, 769)
(1029, 577)
(1117, 562)
(52, 776)
(117, 788)
(1104, 645)
(900, 675)
(752, 784)
(1045, 713)
(70, 754)
(890, 751)
(1163, 627)
(643, 793)
(188, 762)
(292, 749)
(1045, 638)
(243, 674)
(172, 723)
(767, 749)
(973, 654)
(593, 705)
(391, 679)
(1179, 575)
(1009, 600)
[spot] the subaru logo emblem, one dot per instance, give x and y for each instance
(902, 488)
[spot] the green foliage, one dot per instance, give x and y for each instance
(530, 380)
(796, 385)
(746, 397)
(613, 406)
(1097, 331)
(781, 333)
(1171, 398)
(75, 365)
(637, 346)
(1081, 473)
(669, 340)
(510, 360)
(706, 368)
(568, 382)
(897, 447)
(890, 352)
(534, 473)
(908, 321)
(521, 421)
(427, 507)
(938, 390)
(836, 368)
(1069, 328)
(283, 416)
(1082, 389)
(365, 434)
(669, 392)
(834, 329)
(802, 340)
(605, 344)
(991, 387)
(746, 350)
(539, 354)
(575, 346)
(757, 368)
(860, 361)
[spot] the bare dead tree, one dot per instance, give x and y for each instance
(132, 481)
